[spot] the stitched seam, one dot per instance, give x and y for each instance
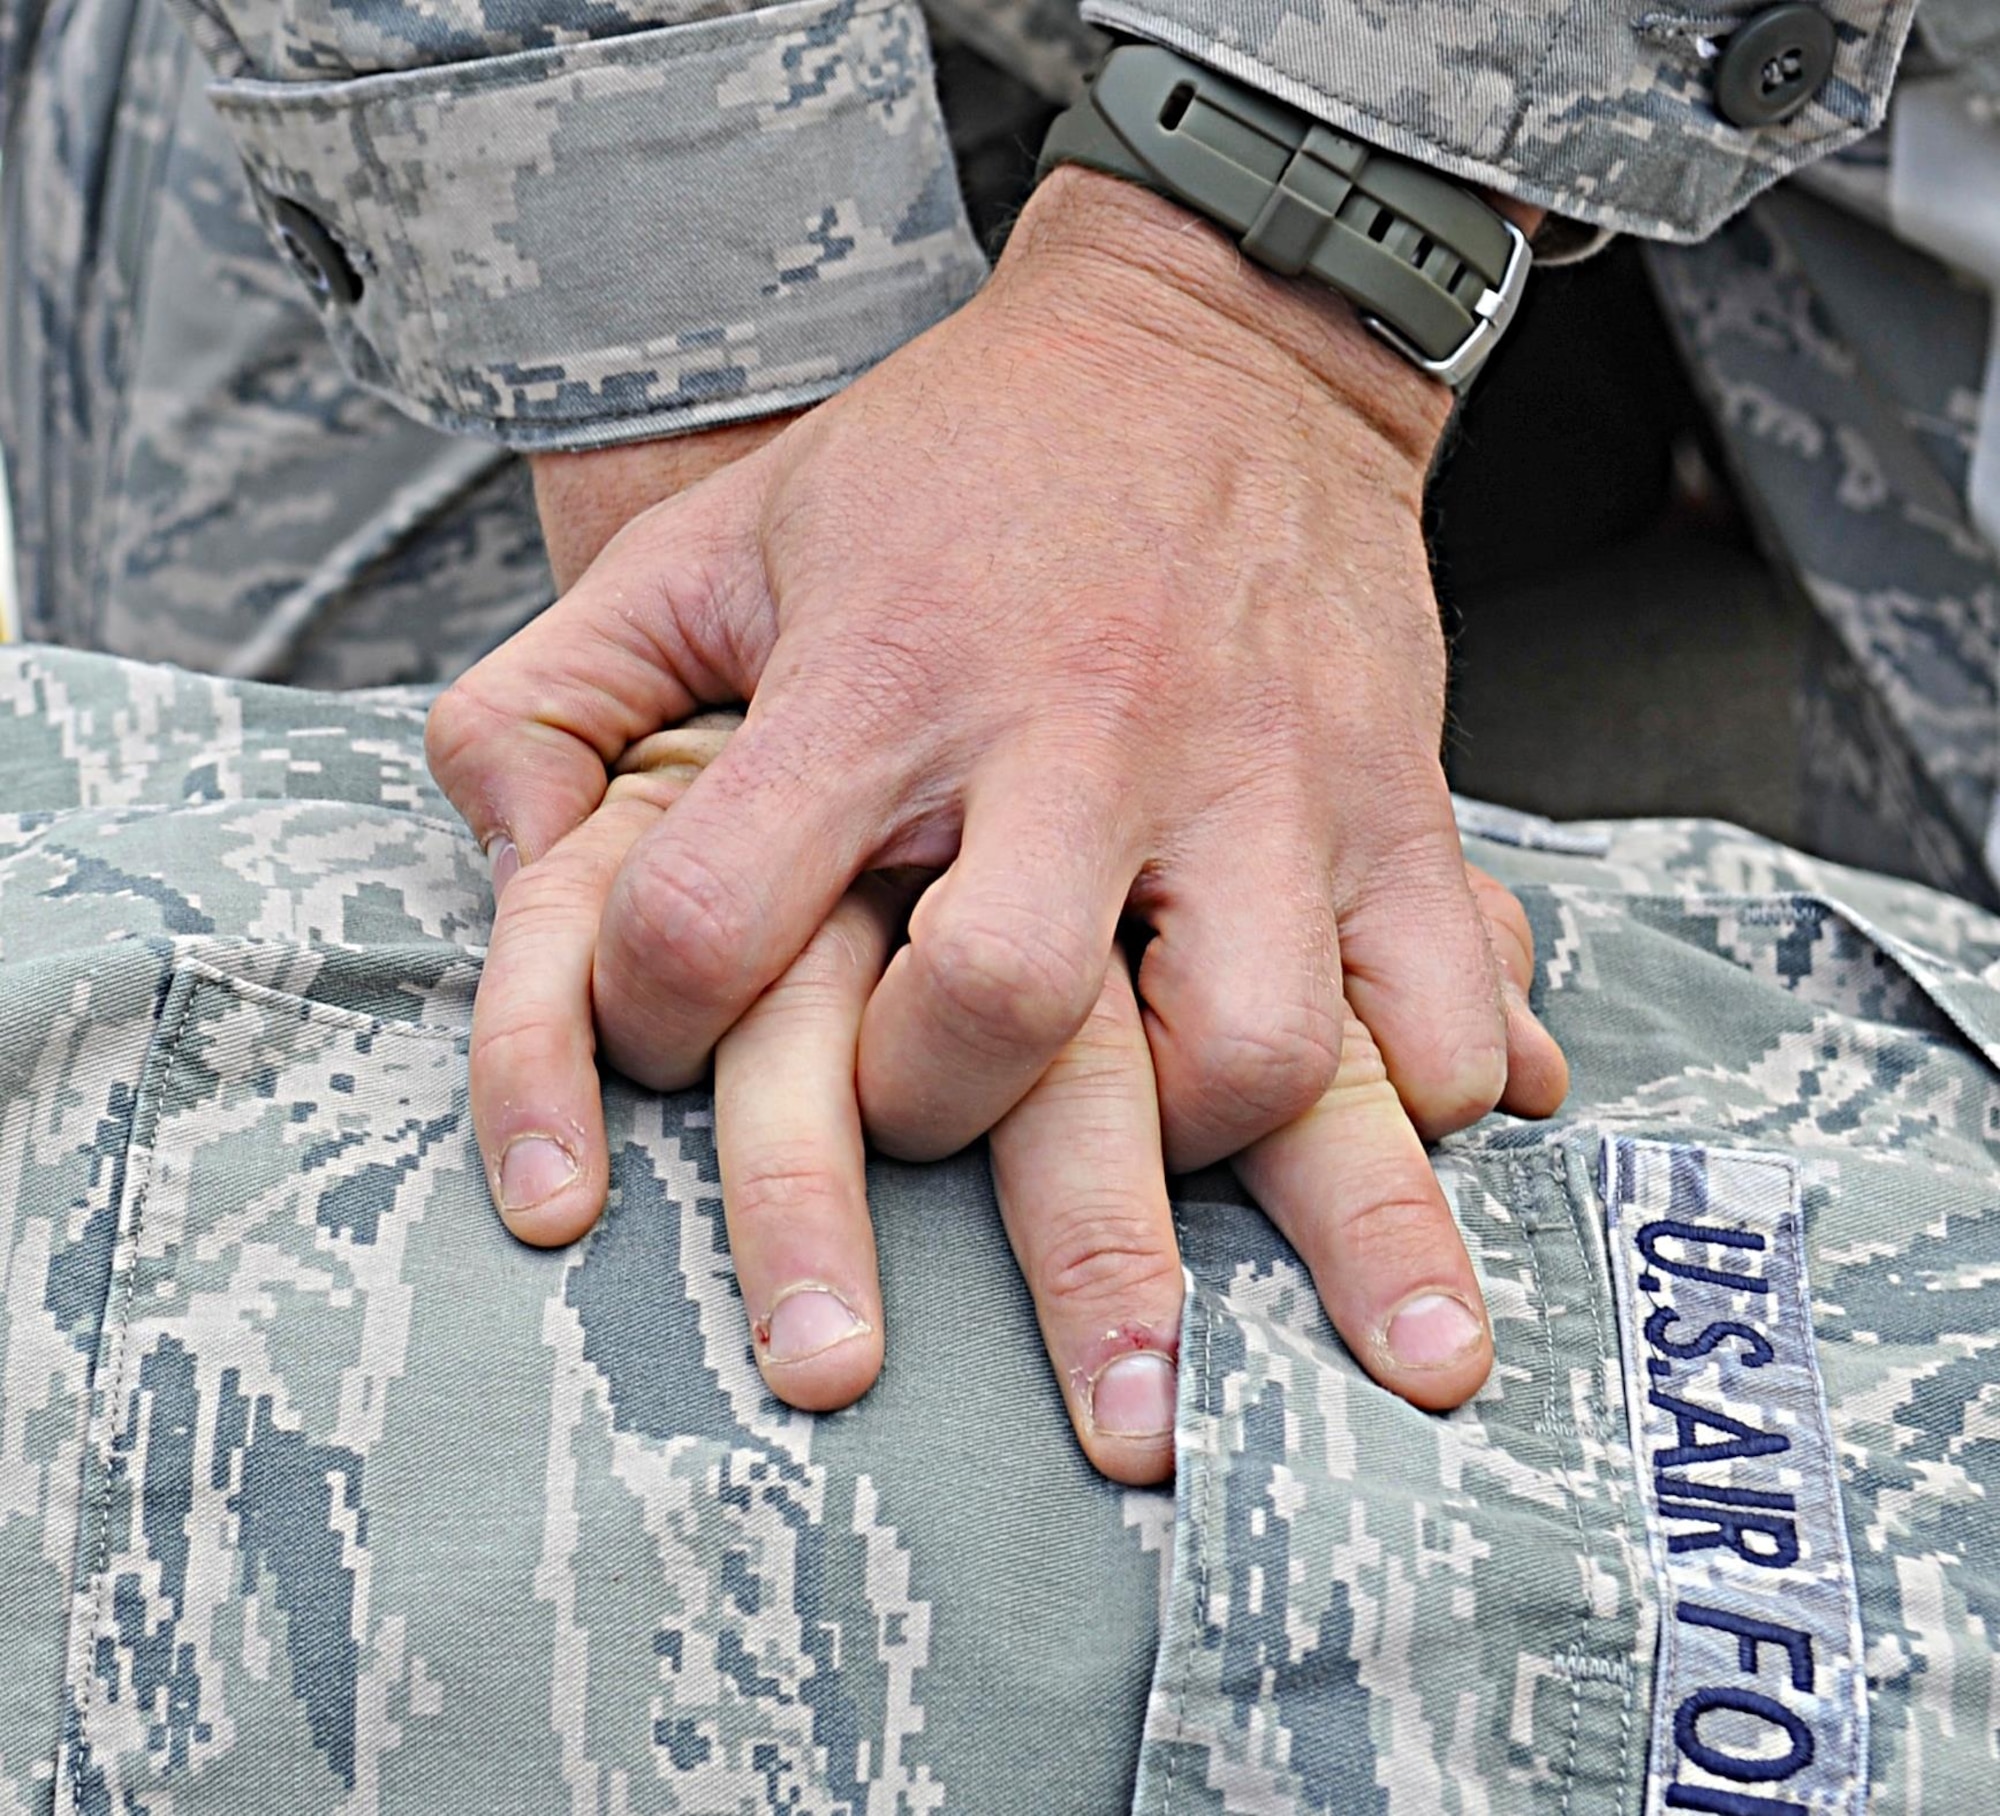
(100, 1569)
(1854, 1714)
(717, 39)
(1526, 99)
(314, 1010)
(1614, 1418)
(839, 376)
(1201, 1604)
(1559, 1178)
(1556, 1419)
(1756, 173)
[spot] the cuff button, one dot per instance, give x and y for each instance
(314, 253)
(1773, 64)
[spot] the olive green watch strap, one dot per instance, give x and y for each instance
(1433, 270)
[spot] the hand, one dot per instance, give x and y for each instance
(586, 499)
(1077, 1163)
(1110, 593)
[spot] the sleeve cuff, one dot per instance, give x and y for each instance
(634, 237)
(1604, 114)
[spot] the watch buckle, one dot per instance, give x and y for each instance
(1495, 310)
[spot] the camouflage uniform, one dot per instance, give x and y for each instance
(1844, 370)
(318, 1493)
(562, 225)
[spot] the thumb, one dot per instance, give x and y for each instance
(673, 614)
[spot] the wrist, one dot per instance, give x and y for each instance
(1135, 257)
(585, 499)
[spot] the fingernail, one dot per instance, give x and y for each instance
(1432, 1330)
(504, 862)
(1133, 1397)
(806, 1322)
(533, 1170)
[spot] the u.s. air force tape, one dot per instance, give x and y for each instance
(1760, 1704)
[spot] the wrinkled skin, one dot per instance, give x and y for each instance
(1107, 598)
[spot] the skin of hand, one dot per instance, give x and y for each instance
(1112, 589)
(586, 499)
(1077, 1164)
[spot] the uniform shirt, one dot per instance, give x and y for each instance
(566, 223)
(318, 1493)
(198, 478)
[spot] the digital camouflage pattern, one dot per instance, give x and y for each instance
(197, 478)
(311, 1478)
(1601, 112)
(193, 477)
(1843, 370)
(1470, 1620)
(316, 1490)
(570, 225)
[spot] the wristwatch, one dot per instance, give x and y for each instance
(1434, 271)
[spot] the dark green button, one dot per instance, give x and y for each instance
(1773, 65)
(315, 254)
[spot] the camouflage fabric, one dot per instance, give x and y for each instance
(1603, 113)
(194, 476)
(566, 227)
(585, 226)
(317, 1493)
(1843, 372)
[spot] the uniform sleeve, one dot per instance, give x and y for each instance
(569, 223)
(1622, 115)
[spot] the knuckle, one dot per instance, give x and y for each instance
(685, 913)
(786, 1182)
(548, 902)
(809, 995)
(518, 1041)
(1013, 982)
(1401, 783)
(1472, 1077)
(826, 972)
(1109, 1260)
(1264, 1076)
(1131, 663)
(1383, 1231)
(457, 721)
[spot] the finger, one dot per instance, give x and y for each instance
(794, 1177)
(1419, 969)
(1082, 1191)
(1537, 1072)
(536, 1108)
(1007, 956)
(1241, 985)
(1349, 1186)
(520, 742)
(720, 896)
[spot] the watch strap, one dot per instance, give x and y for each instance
(1433, 270)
